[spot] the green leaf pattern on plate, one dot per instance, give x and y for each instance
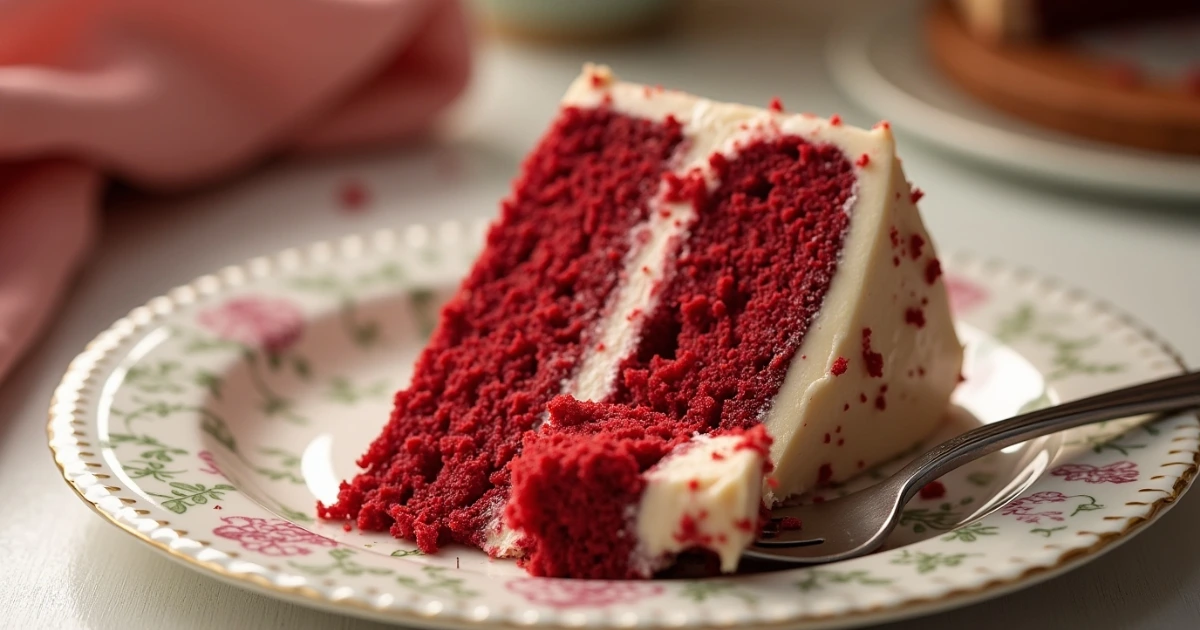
(928, 562)
(815, 579)
(704, 590)
(972, 532)
(286, 466)
(1067, 350)
(436, 582)
(342, 563)
(184, 495)
(195, 379)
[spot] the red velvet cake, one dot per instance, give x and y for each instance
(687, 312)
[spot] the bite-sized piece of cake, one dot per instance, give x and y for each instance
(576, 494)
(688, 311)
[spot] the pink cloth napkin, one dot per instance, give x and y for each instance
(167, 94)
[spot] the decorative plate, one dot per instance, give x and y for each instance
(881, 63)
(209, 421)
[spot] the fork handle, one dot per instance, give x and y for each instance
(1176, 393)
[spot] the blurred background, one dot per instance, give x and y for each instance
(1101, 214)
(143, 144)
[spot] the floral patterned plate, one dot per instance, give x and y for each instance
(209, 421)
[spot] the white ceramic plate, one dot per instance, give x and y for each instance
(879, 60)
(208, 422)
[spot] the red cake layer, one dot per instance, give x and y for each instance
(759, 260)
(575, 480)
(516, 329)
(761, 254)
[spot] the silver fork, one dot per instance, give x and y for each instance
(857, 524)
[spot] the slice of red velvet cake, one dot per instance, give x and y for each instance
(687, 311)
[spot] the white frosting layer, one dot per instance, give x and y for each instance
(825, 427)
(643, 272)
(704, 493)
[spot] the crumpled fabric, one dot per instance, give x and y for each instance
(168, 94)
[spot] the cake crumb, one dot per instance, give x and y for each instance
(839, 366)
(915, 246)
(932, 271)
(824, 473)
(874, 360)
(835, 120)
(915, 316)
(933, 490)
(916, 195)
(775, 105)
(353, 195)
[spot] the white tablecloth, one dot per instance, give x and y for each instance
(64, 567)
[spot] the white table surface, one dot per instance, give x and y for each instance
(64, 567)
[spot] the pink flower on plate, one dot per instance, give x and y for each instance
(964, 295)
(1119, 472)
(272, 537)
(1023, 508)
(272, 324)
(210, 463)
(557, 593)
(1036, 517)
(1038, 498)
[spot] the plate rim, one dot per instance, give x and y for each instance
(847, 55)
(67, 403)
